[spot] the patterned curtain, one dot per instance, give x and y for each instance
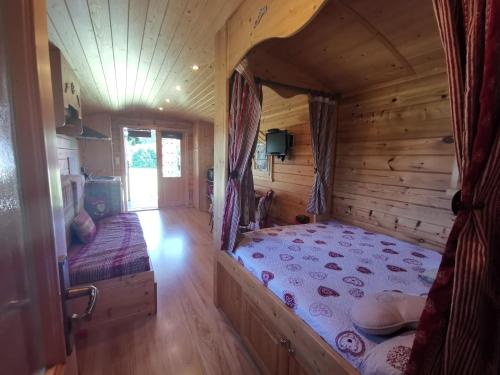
(322, 123)
(459, 331)
(244, 121)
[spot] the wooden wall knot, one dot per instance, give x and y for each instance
(262, 12)
(389, 163)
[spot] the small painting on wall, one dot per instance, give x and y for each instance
(262, 164)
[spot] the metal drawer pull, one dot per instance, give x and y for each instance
(89, 290)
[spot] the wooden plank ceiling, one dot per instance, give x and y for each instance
(354, 44)
(139, 54)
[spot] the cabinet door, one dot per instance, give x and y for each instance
(267, 347)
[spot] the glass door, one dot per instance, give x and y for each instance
(140, 169)
(171, 169)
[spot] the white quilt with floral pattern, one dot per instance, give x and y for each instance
(319, 270)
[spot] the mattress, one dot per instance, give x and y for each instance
(319, 270)
(118, 249)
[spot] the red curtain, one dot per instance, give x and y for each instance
(322, 111)
(244, 121)
(459, 331)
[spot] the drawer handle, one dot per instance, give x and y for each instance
(291, 350)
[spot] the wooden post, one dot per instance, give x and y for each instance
(220, 131)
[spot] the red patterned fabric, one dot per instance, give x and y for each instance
(322, 124)
(119, 248)
(459, 331)
(244, 121)
(84, 227)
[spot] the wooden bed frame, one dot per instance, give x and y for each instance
(120, 298)
(277, 339)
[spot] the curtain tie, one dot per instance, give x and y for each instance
(457, 204)
(234, 175)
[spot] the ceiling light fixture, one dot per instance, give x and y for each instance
(178, 88)
(196, 67)
(160, 108)
(167, 100)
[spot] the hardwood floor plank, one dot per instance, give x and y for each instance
(188, 335)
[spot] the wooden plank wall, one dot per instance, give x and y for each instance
(97, 154)
(292, 179)
(394, 160)
(203, 154)
(68, 155)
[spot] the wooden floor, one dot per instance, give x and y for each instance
(188, 335)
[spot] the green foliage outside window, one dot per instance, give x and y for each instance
(144, 158)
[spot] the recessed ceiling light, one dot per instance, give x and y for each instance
(160, 108)
(196, 67)
(167, 100)
(178, 88)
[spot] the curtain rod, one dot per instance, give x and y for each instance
(295, 88)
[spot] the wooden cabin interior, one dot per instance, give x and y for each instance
(249, 186)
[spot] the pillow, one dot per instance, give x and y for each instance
(389, 357)
(97, 207)
(386, 312)
(84, 227)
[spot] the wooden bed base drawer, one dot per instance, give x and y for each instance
(120, 298)
(277, 339)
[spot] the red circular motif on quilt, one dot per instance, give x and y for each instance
(356, 293)
(393, 268)
(385, 243)
(318, 275)
(289, 299)
(298, 240)
(324, 291)
(310, 257)
(347, 232)
(363, 270)
(415, 262)
(320, 309)
(257, 239)
(398, 357)
(418, 255)
(311, 230)
(334, 254)
(350, 342)
(266, 276)
(389, 251)
(319, 242)
(293, 267)
(286, 257)
(333, 266)
(345, 244)
(257, 255)
(353, 280)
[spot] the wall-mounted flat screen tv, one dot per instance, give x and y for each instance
(278, 143)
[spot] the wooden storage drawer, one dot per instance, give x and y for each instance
(267, 347)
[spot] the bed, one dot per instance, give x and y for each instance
(119, 249)
(301, 281)
(116, 262)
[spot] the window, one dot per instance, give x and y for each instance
(171, 154)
